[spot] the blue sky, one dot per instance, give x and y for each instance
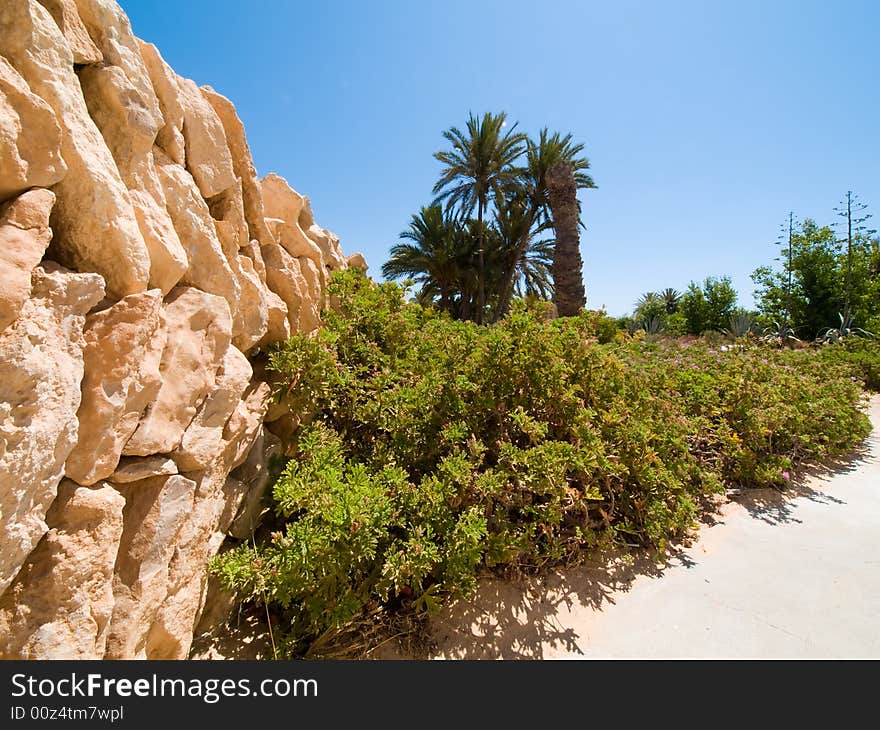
(704, 122)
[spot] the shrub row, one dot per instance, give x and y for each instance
(438, 448)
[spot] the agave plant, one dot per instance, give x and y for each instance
(740, 324)
(839, 335)
(779, 334)
(652, 325)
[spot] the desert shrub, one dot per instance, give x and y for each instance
(860, 356)
(603, 327)
(676, 324)
(438, 449)
(708, 306)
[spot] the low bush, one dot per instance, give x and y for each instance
(438, 449)
(861, 355)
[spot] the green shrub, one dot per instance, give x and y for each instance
(861, 356)
(676, 324)
(603, 327)
(438, 449)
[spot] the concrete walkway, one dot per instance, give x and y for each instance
(774, 576)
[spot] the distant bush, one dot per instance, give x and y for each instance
(603, 327)
(676, 324)
(708, 306)
(861, 355)
(440, 448)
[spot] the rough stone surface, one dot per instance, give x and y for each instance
(30, 137)
(128, 371)
(255, 473)
(253, 252)
(277, 320)
(170, 135)
(24, 236)
(129, 129)
(207, 155)
(116, 387)
(357, 261)
(40, 371)
(110, 29)
(199, 332)
(66, 16)
(60, 604)
(136, 468)
(200, 538)
(297, 283)
(252, 318)
(283, 205)
(243, 165)
(156, 510)
(310, 315)
(202, 441)
(328, 242)
(209, 270)
(94, 224)
(227, 210)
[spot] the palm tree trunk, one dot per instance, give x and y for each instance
(510, 278)
(567, 268)
(481, 290)
(445, 299)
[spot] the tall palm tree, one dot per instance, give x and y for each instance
(543, 154)
(567, 269)
(433, 256)
(550, 149)
(479, 163)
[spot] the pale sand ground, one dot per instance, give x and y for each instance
(794, 575)
(775, 576)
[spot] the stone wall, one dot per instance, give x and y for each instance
(143, 268)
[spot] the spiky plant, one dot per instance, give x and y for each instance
(740, 324)
(671, 299)
(480, 163)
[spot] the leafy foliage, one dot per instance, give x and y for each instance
(437, 449)
(818, 265)
(709, 306)
(860, 356)
(474, 267)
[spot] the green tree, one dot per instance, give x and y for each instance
(480, 163)
(853, 211)
(433, 255)
(671, 299)
(817, 288)
(439, 252)
(709, 306)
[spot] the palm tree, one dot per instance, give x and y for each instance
(479, 163)
(515, 221)
(671, 299)
(549, 150)
(567, 269)
(433, 258)
(529, 190)
(534, 277)
(649, 306)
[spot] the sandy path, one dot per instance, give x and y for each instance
(797, 576)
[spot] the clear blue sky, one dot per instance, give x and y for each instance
(704, 122)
